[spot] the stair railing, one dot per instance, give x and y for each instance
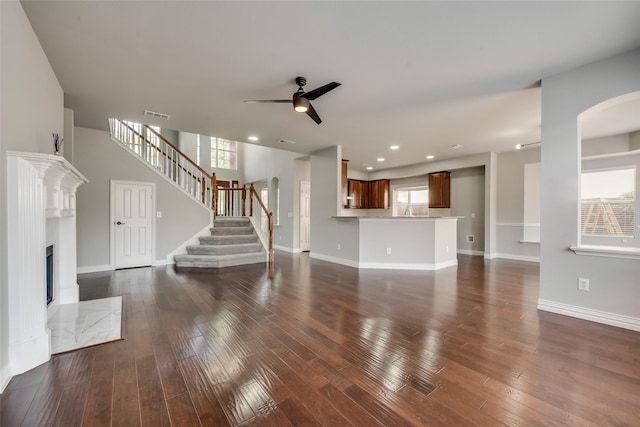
(265, 218)
(167, 159)
(240, 201)
(175, 165)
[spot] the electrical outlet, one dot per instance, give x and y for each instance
(471, 238)
(388, 251)
(473, 216)
(339, 247)
(583, 284)
(158, 214)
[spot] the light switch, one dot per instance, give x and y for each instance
(158, 214)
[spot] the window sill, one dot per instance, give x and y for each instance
(607, 251)
(529, 242)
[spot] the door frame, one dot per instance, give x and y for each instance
(112, 214)
(300, 225)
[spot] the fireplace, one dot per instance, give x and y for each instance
(41, 192)
(49, 270)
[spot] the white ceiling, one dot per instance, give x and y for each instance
(423, 75)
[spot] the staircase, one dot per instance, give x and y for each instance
(233, 241)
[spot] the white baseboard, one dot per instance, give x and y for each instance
(470, 252)
(287, 249)
(95, 268)
(490, 255)
(518, 257)
(161, 262)
(383, 265)
(5, 377)
(407, 266)
(335, 260)
(612, 319)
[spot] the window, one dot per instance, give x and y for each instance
(608, 202)
(223, 153)
(411, 201)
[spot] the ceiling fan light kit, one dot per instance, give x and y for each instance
(300, 104)
(300, 99)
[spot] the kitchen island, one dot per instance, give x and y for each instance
(416, 243)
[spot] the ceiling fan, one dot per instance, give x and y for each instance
(300, 99)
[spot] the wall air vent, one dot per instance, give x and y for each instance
(286, 141)
(157, 115)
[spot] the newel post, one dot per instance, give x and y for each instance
(253, 191)
(244, 200)
(270, 237)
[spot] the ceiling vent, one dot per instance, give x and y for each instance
(157, 115)
(286, 141)
(455, 146)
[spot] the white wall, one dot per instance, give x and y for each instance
(101, 159)
(31, 110)
(614, 293)
(187, 143)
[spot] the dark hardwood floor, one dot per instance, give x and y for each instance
(314, 343)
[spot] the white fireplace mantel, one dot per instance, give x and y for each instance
(41, 192)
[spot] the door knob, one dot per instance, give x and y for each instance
(119, 223)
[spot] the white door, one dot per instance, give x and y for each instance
(305, 215)
(132, 224)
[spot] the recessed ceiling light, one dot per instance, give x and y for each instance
(253, 138)
(380, 159)
(369, 168)
(454, 146)
(430, 156)
(394, 147)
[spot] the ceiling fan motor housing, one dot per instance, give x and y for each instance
(301, 81)
(300, 103)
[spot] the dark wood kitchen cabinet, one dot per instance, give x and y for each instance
(359, 193)
(440, 190)
(345, 186)
(379, 194)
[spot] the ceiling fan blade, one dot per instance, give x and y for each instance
(316, 93)
(268, 101)
(311, 112)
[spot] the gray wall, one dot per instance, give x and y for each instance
(101, 159)
(605, 145)
(31, 109)
(467, 200)
(486, 160)
(263, 164)
(613, 281)
(326, 186)
(510, 213)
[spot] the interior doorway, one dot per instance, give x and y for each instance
(132, 224)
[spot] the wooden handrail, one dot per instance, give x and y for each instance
(270, 216)
(203, 181)
(204, 172)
